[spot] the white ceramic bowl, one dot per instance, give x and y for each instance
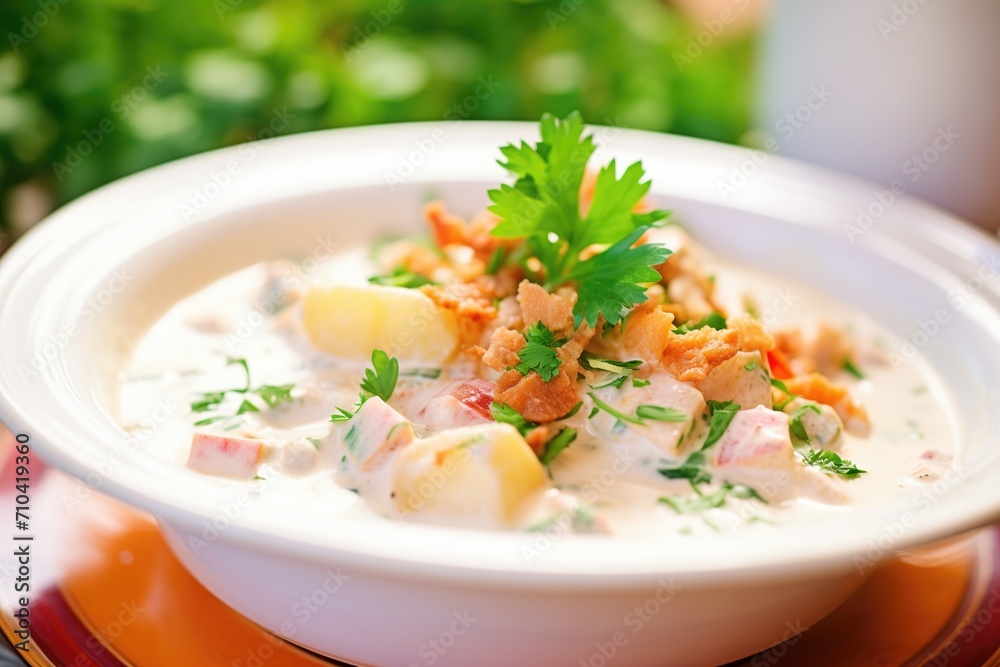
(77, 291)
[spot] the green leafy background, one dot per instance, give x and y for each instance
(76, 68)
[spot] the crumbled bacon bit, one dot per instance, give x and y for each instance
(472, 302)
(816, 387)
(555, 311)
(504, 348)
(692, 356)
(753, 337)
(535, 399)
(450, 229)
(646, 333)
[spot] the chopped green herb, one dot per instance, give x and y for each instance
(576, 408)
(660, 413)
(720, 414)
(429, 373)
(713, 320)
(636, 382)
(543, 207)
(752, 366)
(496, 262)
(556, 445)
(831, 462)
(272, 395)
(539, 353)
(849, 366)
(700, 503)
(616, 372)
(379, 380)
(800, 438)
(401, 278)
(314, 441)
(775, 382)
(593, 412)
(693, 470)
(620, 416)
(504, 414)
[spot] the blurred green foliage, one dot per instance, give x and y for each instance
(92, 90)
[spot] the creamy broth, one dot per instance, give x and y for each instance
(606, 481)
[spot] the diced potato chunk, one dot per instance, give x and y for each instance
(742, 379)
(476, 475)
(374, 433)
(352, 320)
(224, 455)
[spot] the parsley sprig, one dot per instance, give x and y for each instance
(831, 462)
(543, 208)
(539, 353)
(270, 396)
(379, 380)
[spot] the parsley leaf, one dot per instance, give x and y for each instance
(272, 395)
(800, 438)
(556, 445)
(379, 380)
(831, 462)
(543, 207)
(616, 372)
(661, 414)
(504, 414)
(700, 503)
(713, 320)
(611, 281)
(693, 470)
(720, 414)
(401, 278)
(539, 353)
(851, 368)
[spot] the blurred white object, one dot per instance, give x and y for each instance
(913, 94)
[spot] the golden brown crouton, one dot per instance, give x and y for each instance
(753, 337)
(692, 356)
(472, 302)
(504, 348)
(555, 311)
(535, 399)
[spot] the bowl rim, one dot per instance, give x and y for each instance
(459, 554)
